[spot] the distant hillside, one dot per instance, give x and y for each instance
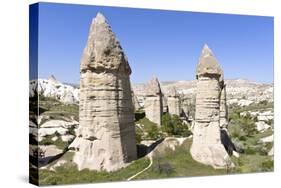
(240, 91)
(237, 90)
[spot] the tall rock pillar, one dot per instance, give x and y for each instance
(174, 102)
(207, 147)
(106, 135)
(153, 104)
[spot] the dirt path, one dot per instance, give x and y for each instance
(143, 170)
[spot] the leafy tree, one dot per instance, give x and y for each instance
(173, 125)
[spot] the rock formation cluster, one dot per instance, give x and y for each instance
(207, 147)
(153, 105)
(106, 135)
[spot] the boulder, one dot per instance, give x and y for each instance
(42, 132)
(271, 152)
(59, 123)
(261, 126)
(67, 138)
(267, 139)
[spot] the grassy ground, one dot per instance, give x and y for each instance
(178, 163)
(68, 174)
(59, 143)
(51, 106)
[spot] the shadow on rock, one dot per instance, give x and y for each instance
(143, 150)
(227, 143)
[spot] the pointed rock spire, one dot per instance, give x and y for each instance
(100, 18)
(173, 92)
(153, 104)
(53, 79)
(173, 102)
(207, 145)
(206, 51)
(103, 51)
(208, 64)
(153, 87)
(106, 134)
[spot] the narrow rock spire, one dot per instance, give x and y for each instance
(153, 104)
(208, 64)
(207, 146)
(173, 102)
(206, 51)
(106, 134)
(103, 51)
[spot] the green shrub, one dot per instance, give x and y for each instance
(153, 133)
(173, 125)
(240, 145)
(248, 125)
(139, 134)
(242, 127)
(150, 128)
(250, 150)
(267, 165)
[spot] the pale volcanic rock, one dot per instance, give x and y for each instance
(55, 89)
(208, 64)
(223, 108)
(261, 126)
(165, 104)
(106, 135)
(153, 104)
(173, 102)
(67, 138)
(271, 152)
(207, 147)
(59, 123)
(267, 139)
(136, 103)
(42, 132)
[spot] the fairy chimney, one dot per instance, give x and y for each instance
(174, 102)
(207, 147)
(106, 134)
(153, 104)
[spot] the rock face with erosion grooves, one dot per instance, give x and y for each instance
(106, 135)
(153, 104)
(207, 147)
(136, 103)
(223, 107)
(173, 102)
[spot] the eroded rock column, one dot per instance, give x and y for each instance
(174, 102)
(207, 147)
(106, 135)
(153, 104)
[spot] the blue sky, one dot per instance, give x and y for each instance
(157, 42)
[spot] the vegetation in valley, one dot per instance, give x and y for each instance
(170, 163)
